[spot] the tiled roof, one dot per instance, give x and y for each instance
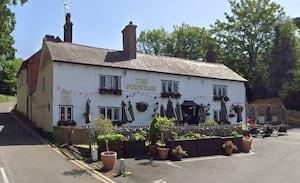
(74, 53)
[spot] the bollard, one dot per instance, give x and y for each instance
(122, 165)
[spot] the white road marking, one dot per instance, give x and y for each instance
(207, 158)
(4, 177)
(1, 127)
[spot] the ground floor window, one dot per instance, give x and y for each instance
(112, 113)
(66, 112)
(217, 115)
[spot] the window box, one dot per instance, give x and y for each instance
(219, 98)
(104, 91)
(170, 94)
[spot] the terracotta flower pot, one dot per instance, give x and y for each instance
(228, 151)
(108, 159)
(163, 152)
(247, 145)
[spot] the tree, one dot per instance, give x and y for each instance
(193, 40)
(7, 25)
(8, 76)
(155, 42)
(290, 92)
(245, 40)
(283, 56)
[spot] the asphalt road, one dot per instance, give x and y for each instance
(25, 159)
(272, 160)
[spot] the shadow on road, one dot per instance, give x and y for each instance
(75, 172)
(12, 133)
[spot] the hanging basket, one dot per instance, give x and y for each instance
(141, 106)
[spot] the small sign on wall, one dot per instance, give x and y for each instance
(65, 97)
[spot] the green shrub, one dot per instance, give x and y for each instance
(174, 135)
(111, 137)
(234, 133)
(210, 123)
(104, 125)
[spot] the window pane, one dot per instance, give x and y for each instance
(69, 113)
(224, 91)
(215, 91)
(119, 83)
(115, 82)
(169, 86)
(108, 82)
(62, 113)
(175, 87)
(116, 114)
(164, 86)
(219, 91)
(102, 111)
(109, 113)
(216, 115)
(102, 81)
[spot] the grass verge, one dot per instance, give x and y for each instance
(7, 98)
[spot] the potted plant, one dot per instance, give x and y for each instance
(164, 125)
(229, 147)
(153, 135)
(108, 158)
(177, 153)
(115, 141)
(247, 143)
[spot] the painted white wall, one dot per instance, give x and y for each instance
(22, 91)
(42, 114)
(82, 81)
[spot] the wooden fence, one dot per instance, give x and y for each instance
(291, 116)
(72, 135)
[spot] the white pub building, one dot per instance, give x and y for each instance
(65, 81)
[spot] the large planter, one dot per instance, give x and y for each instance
(190, 146)
(116, 146)
(134, 148)
(108, 159)
(238, 141)
(163, 152)
(209, 146)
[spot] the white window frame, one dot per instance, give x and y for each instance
(110, 82)
(115, 112)
(220, 90)
(216, 114)
(169, 86)
(63, 115)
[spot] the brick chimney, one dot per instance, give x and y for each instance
(68, 29)
(129, 40)
(211, 55)
(180, 52)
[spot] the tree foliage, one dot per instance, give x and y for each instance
(246, 38)
(7, 25)
(193, 40)
(284, 56)
(8, 76)
(290, 92)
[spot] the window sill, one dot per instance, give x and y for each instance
(169, 94)
(104, 91)
(219, 98)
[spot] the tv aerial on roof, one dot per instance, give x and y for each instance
(67, 3)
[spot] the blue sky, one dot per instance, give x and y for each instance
(99, 23)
